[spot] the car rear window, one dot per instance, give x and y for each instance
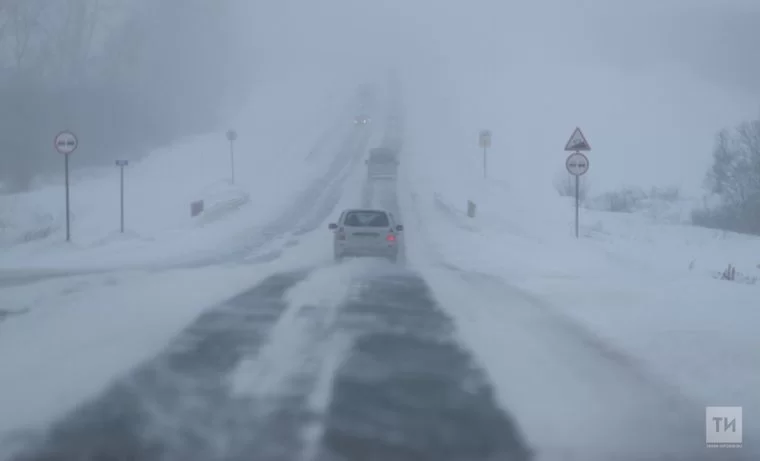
(367, 219)
(382, 157)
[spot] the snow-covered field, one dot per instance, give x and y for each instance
(271, 167)
(633, 289)
(644, 290)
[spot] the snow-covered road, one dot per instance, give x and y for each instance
(300, 358)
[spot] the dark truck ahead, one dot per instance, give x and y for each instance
(382, 163)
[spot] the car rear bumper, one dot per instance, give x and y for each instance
(367, 253)
(382, 176)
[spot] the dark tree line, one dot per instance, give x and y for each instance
(125, 75)
(734, 179)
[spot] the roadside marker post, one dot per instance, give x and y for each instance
(577, 165)
(484, 140)
(66, 143)
(232, 137)
(121, 164)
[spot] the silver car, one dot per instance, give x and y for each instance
(366, 232)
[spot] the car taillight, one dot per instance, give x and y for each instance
(390, 238)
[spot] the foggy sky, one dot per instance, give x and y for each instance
(649, 82)
(716, 40)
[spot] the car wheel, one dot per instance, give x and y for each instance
(393, 259)
(338, 258)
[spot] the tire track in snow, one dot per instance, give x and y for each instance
(407, 391)
(180, 405)
(292, 372)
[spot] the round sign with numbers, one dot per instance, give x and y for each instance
(65, 142)
(577, 164)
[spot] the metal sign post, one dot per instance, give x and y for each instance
(577, 204)
(121, 164)
(65, 143)
(231, 137)
(485, 142)
(577, 165)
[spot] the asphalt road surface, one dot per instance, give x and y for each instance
(400, 387)
(404, 390)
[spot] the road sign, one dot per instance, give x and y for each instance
(577, 142)
(66, 142)
(577, 164)
(122, 162)
(485, 139)
(231, 135)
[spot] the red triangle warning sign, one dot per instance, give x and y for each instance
(577, 142)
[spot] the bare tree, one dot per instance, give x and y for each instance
(20, 26)
(735, 174)
(69, 32)
(735, 178)
(158, 69)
